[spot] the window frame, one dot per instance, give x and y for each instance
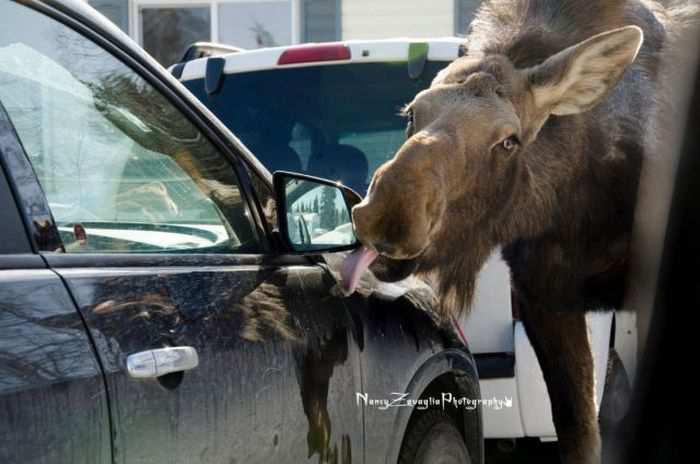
(303, 19)
(135, 7)
(27, 198)
(14, 227)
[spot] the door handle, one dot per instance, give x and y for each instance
(154, 363)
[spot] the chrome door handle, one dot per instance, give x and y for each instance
(154, 363)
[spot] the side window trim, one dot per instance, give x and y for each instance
(44, 230)
(30, 198)
(68, 261)
(16, 242)
(250, 197)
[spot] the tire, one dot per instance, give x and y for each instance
(433, 438)
(616, 394)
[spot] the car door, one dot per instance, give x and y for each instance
(329, 363)
(53, 402)
(154, 234)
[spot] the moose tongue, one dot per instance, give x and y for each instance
(354, 265)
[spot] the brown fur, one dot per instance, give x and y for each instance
(568, 82)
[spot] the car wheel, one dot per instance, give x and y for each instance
(433, 437)
(616, 394)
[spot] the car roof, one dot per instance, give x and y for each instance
(361, 51)
(89, 17)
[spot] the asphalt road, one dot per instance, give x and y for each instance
(525, 451)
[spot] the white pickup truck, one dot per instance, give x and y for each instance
(331, 110)
(508, 367)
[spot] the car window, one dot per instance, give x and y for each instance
(123, 170)
(311, 123)
(318, 214)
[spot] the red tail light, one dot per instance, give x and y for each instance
(314, 53)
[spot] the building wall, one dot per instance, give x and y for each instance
(326, 20)
(373, 19)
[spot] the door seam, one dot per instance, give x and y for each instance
(108, 398)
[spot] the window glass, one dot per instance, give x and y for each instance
(123, 170)
(338, 122)
(317, 215)
(167, 32)
(320, 20)
(255, 24)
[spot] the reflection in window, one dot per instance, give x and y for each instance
(317, 215)
(123, 170)
(167, 32)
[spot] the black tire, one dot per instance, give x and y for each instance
(433, 438)
(616, 394)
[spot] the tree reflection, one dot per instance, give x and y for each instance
(43, 338)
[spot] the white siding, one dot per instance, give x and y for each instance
(374, 19)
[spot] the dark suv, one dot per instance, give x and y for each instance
(163, 300)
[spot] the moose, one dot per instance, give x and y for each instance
(532, 141)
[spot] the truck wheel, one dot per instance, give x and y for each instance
(616, 394)
(433, 438)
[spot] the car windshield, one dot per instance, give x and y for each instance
(339, 122)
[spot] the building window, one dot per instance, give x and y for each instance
(167, 32)
(165, 28)
(464, 13)
(320, 20)
(116, 11)
(255, 24)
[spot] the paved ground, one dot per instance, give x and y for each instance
(526, 451)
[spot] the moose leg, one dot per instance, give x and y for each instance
(560, 340)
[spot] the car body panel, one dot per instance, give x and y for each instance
(53, 404)
(263, 350)
(281, 354)
(532, 391)
(491, 328)
(450, 362)
(361, 51)
(489, 325)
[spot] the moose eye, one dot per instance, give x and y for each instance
(509, 144)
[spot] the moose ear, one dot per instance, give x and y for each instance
(579, 77)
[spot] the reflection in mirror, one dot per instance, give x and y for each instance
(317, 215)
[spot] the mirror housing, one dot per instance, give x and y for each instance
(314, 215)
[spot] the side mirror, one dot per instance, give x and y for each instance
(314, 214)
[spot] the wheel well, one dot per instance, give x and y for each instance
(467, 420)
